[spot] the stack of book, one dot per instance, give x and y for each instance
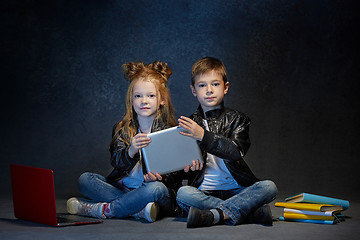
(312, 208)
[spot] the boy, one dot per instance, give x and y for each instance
(225, 190)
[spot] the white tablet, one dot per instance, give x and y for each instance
(169, 151)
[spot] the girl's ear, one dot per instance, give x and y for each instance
(162, 102)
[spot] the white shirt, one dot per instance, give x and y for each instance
(217, 176)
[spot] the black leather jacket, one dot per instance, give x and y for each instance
(123, 163)
(228, 138)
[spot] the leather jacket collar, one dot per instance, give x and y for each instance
(216, 113)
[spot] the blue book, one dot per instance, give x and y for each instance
(306, 220)
(313, 198)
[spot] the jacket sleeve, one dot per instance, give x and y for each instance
(233, 144)
(119, 157)
(174, 180)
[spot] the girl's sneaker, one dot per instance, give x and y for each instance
(81, 206)
(150, 212)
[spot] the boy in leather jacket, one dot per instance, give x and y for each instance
(225, 191)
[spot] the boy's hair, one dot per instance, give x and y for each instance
(158, 73)
(206, 65)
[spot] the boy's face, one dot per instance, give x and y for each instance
(210, 90)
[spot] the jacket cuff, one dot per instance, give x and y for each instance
(206, 138)
(136, 156)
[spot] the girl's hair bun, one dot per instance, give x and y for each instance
(132, 68)
(135, 69)
(162, 68)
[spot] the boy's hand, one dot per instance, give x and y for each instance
(149, 177)
(196, 165)
(192, 128)
(138, 142)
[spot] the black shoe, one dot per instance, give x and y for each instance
(199, 218)
(262, 216)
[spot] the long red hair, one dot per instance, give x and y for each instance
(158, 73)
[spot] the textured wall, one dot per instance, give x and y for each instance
(292, 67)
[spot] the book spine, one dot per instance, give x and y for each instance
(305, 216)
(307, 221)
(300, 206)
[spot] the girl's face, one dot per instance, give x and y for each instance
(145, 99)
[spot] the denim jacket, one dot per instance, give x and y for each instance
(228, 138)
(123, 163)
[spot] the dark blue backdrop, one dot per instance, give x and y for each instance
(292, 67)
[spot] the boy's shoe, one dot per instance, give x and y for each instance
(81, 206)
(199, 218)
(150, 212)
(262, 216)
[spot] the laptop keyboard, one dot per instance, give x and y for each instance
(67, 218)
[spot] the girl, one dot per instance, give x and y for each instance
(129, 190)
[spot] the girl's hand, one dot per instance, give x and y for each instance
(192, 128)
(149, 177)
(138, 142)
(196, 165)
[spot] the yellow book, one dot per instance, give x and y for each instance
(309, 206)
(288, 215)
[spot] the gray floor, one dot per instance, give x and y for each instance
(175, 228)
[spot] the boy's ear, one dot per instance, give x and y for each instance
(226, 87)
(193, 90)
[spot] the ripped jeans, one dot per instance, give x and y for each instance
(237, 203)
(125, 201)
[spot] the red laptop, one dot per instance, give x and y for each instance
(34, 198)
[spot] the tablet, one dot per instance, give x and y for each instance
(169, 151)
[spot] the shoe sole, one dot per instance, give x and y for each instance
(154, 212)
(70, 206)
(270, 220)
(192, 217)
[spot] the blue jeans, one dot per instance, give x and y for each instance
(124, 201)
(236, 203)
